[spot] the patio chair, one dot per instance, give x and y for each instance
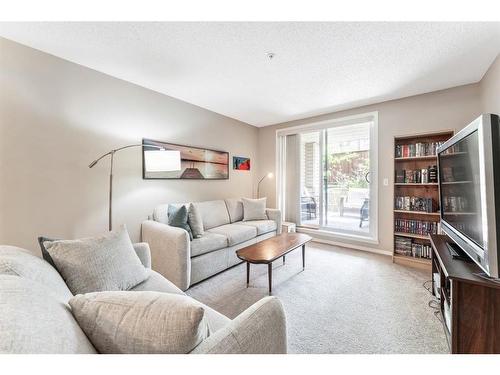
(308, 206)
(364, 212)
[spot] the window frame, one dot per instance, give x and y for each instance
(372, 117)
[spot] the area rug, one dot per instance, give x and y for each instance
(345, 301)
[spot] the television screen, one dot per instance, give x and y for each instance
(469, 176)
(460, 188)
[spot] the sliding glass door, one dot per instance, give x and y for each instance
(346, 179)
(336, 169)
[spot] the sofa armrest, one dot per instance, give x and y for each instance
(170, 251)
(275, 214)
(143, 252)
(260, 329)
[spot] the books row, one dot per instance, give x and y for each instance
(417, 226)
(415, 204)
(457, 148)
(455, 173)
(417, 149)
(455, 204)
(417, 176)
(408, 247)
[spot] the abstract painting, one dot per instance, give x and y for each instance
(196, 163)
(241, 164)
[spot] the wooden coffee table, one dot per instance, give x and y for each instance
(267, 251)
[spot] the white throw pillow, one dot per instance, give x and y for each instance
(254, 209)
(107, 262)
(140, 322)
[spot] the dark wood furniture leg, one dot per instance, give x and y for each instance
(303, 256)
(271, 249)
(270, 274)
(248, 273)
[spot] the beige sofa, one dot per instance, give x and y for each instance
(35, 316)
(186, 262)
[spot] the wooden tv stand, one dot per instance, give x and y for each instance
(472, 301)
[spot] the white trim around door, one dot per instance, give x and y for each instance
(372, 118)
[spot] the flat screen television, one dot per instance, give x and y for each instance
(469, 174)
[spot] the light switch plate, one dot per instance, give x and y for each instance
(386, 182)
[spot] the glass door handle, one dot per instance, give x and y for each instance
(366, 177)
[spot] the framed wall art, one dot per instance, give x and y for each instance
(193, 163)
(241, 163)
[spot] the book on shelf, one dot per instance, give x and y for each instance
(417, 149)
(454, 174)
(458, 148)
(400, 176)
(417, 176)
(456, 204)
(420, 204)
(418, 227)
(408, 247)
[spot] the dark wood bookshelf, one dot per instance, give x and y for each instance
(403, 258)
(412, 235)
(415, 189)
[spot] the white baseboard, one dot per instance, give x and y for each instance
(352, 246)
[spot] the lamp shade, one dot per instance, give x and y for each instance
(162, 160)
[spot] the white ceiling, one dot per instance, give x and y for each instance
(318, 67)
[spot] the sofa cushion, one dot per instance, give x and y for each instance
(106, 262)
(263, 226)
(140, 322)
(20, 262)
(33, 322)
(254, 209)
(208, 242)
(236, 233)
(214, 318)
(144, 253)
(235, 209)
(157, 283)
(206, 265)
(213, 213)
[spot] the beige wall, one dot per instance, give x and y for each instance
(442, 110)
(56, 117)
(490, 89)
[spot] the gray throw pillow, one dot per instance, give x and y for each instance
(140, 322)
(195, 221)
(107, 262)
(254, 209)
(178, 217)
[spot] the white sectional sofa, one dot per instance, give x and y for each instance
(35, 316)
(186, 262)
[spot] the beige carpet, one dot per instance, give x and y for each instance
(346, 301)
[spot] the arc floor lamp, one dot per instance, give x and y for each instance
(159, 160)
(269, 175)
